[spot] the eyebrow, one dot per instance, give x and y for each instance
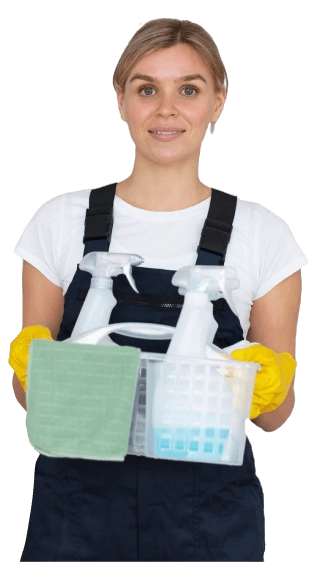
(187, 78)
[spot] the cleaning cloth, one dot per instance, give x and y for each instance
(80, 399)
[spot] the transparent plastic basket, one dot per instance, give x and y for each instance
(188, 409)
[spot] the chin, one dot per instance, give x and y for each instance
(169, 156)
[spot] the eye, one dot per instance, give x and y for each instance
(189, 90)
(147, 91)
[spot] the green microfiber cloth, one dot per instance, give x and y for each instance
(80, 399)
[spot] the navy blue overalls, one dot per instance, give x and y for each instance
(146, 509)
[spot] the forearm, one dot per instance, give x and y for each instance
(273, 420)
(19, 392)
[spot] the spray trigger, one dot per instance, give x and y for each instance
(127, 272)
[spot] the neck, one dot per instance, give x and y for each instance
(163, 187)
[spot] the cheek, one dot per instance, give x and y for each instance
(199, 115)
(136, 117)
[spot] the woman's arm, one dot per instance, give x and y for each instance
(273, 322)
(42, 305)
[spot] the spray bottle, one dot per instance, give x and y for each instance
(196, 326)
(183, 430)
(100, 301)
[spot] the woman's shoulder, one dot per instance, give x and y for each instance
(56, 220)
(76, 199)
(70, 204)
(246, 206)
(256, 221)
(54, 232)
(262, 232)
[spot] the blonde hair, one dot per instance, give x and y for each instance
(166, 32)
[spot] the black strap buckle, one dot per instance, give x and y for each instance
(98, 224)
(215, 236)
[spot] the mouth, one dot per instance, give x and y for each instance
(157, 132)
(166, 133)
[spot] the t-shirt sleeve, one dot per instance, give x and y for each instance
(279, 254)
(40, 242)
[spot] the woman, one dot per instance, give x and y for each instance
(171, 85)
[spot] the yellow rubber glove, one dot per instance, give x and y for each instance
(19, 350)
(273, 380)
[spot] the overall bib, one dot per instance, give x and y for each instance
(146, 509)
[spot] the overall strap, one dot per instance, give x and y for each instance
(215, 235)
(99, 219)
(212, 249)
(217, 229)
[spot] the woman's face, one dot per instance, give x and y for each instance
(168, 103)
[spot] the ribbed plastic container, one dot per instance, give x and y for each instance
(187, 409)
(191, 409)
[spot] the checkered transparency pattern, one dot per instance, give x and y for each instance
(80, 399)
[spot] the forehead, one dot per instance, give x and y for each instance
(173, 62)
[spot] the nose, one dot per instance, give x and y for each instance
(167, 106)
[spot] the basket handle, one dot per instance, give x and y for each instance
(147, 331)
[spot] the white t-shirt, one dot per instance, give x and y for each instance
(262, 248)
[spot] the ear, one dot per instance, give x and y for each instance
(120, 97)
(219, 104)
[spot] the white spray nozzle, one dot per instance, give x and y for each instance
(209, 279)
(111, 264)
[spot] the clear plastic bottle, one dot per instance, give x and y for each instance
(185, 381)
(100, 301)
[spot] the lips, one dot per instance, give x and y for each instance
(166, 133)
(163, 129)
